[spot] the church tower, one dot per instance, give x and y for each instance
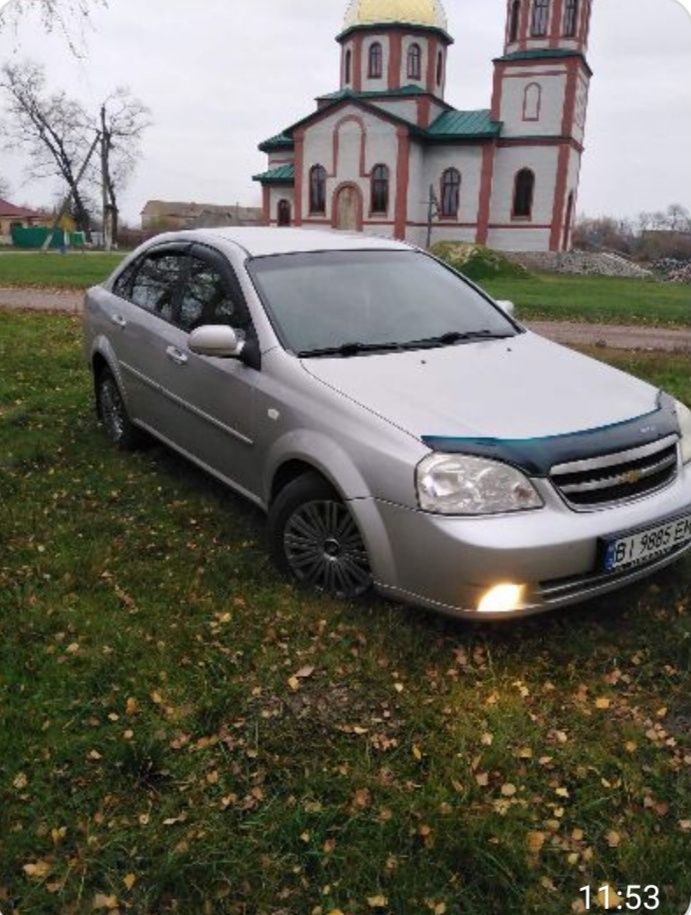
(540, 95)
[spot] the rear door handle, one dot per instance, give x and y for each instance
(174, 354)
(118, 320)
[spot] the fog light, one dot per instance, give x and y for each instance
(502, 599)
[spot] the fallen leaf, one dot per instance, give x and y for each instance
(535, 841)
(508, 790)
(101, 901)
(21, 781)
(603, 703)
(377, 902)
(37, 869)
(129, 881)
(294, 683)
(304, 673)
(613, 838)
(482, 778)
(609, 900)
(131, 707)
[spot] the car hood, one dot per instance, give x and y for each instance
(520, 388)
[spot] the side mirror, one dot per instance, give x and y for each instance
(217, 340)
(507, 306)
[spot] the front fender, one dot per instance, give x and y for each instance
(333, 462)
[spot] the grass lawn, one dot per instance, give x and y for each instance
(599, 299)
(559, 298)
(56, 271)
(183, 731)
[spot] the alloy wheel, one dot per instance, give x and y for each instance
(324, 549)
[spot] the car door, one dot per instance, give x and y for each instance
(213, 398)
(141, 311)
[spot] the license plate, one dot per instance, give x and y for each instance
(641, 546)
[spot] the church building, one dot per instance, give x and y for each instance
(506, 176)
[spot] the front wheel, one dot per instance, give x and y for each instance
(315, 539)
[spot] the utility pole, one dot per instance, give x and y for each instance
(105, 183)
(66, 202)
(432, 211)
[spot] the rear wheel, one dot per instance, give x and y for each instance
(316, 540)
(113, 413)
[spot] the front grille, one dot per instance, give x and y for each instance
(617, 477)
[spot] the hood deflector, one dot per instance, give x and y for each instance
(537, 456)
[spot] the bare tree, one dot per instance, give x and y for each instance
(4, 188)
(122, 122)
(66, 16)
(678, 217)
(54, 130)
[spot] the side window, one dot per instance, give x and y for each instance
(122, 287)
(206, 298)
(156, 283)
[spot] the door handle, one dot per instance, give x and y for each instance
(118, 320)
(174, 354)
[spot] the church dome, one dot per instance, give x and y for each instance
(428, 13)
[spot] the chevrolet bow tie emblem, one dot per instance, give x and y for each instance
(633, 477)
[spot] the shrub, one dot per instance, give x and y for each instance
(477, 262)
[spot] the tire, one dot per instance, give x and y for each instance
(113, 414)
(315, 540)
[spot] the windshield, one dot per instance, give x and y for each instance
(348, 302)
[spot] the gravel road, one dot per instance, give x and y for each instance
(661, 339)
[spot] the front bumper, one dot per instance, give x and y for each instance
(447, 564)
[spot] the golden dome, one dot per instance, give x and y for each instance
(429, 13)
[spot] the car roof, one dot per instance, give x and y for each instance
(260, 241)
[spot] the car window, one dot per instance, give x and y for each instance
(122, 286)
(156, 282)
(207, 298)
(335, 298)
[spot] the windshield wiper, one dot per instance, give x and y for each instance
(455, 336)
(351, 349)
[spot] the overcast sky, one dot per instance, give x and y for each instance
(222, 75)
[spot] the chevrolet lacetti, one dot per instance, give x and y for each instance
(399, 427)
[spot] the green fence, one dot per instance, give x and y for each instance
(36, 236)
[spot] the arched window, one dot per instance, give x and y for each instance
(414, 62)
(532, 102)
(440, 68)
(380, 189)
(540, 21)
(571, 18)
(318, 189)
(515, 21)
(524, 190)
(348, 66)
(376, 61)
(284, 215)
(450, 193)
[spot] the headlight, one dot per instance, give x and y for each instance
(684, 416)
(456, 484)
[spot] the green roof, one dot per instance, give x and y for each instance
(280, 141)
(457, 125)
(284, 174)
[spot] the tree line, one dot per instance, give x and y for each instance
(664, 233)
